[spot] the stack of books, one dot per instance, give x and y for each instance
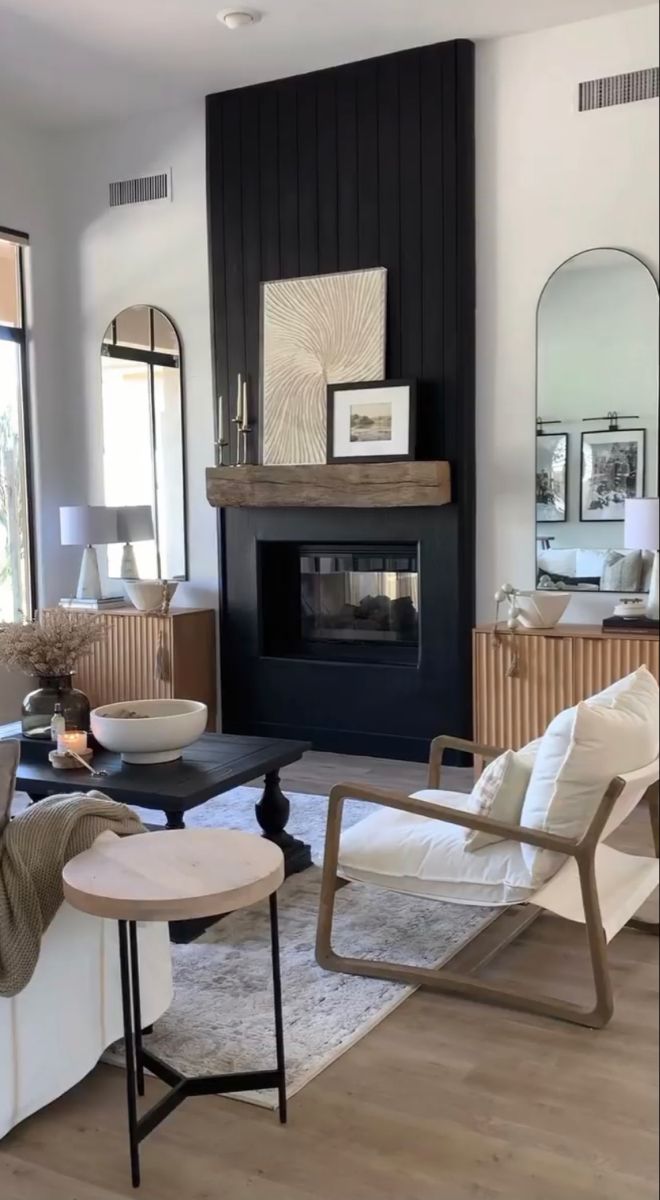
(94, 605)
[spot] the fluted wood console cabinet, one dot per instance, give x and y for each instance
(523, 679)
(149, 656)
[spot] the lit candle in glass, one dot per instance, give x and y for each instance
(72, 739)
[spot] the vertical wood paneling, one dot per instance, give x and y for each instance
(363, 165)
(389, 214)
(269, 194)
(308, 196)
(347, 169)
(232, 199)
(287, 136)
(510, 710)
(123, 666)
(552, 673)
(251, 229)
(367, 166)
(601, 661)
(328, 179)
(410, 202)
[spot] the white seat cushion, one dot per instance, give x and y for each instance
(582, 750)
(419, 856)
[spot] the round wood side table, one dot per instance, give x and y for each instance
(173, 875)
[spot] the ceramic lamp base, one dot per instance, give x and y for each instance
(89, 580)
(653, 606)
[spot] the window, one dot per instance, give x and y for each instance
(15, 574)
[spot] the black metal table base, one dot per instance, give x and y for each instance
(181, 1087)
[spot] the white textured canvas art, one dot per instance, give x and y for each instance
(316, 330)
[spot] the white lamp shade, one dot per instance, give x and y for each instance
(88, 525)
(641, 523)
(135, 523)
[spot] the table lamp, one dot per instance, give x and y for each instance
(134, 524)
(88, 525)
(641, 532)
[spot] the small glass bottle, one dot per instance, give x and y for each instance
(57, 724)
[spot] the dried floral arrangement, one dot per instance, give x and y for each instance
(50, 647)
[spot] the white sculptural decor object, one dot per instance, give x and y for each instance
(641, 532)
(134, 524)
(531, 609)
(88, 525)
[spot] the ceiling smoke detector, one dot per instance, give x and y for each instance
(239, 18)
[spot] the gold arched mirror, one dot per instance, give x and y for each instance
(143, 450)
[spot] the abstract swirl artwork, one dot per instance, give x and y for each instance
(316, 330)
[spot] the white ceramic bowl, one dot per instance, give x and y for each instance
(541, 610)
(158, 736)
(146, 594)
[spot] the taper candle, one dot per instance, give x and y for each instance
(239, 400)
(244, 414)
(221, 421)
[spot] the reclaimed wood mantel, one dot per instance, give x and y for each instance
(335, 485)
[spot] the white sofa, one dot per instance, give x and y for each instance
(54, 1032)
(585, 566)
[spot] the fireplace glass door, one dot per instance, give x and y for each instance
(356, 596)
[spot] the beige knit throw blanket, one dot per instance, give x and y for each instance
(33, 850)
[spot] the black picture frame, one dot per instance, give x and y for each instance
(640, 437)
(558, 438)
(334, 389)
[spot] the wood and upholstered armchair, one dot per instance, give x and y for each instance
(593, 884)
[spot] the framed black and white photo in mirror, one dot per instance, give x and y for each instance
(551, 474)
(372, 421)
(612, 472)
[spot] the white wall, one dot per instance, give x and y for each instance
(26, 187)
(550, 182)
(143, 254)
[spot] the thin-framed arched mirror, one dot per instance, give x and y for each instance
(596, 420)
(143, 436)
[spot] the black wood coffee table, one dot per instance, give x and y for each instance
(215, 764)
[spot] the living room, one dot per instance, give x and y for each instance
(241, 251)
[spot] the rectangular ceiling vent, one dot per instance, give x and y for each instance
(141, 190)
(619, 89)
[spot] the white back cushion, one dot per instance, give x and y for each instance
(582, 750)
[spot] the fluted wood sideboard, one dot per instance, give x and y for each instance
(523, 679)
(148, 656)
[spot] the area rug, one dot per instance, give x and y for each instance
(221, 1018)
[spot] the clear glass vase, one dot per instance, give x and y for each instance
(38, 707)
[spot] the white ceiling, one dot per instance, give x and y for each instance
(68, 62)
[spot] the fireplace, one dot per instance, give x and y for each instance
(340, 601)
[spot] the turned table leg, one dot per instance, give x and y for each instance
(272, 812)
(174, 818)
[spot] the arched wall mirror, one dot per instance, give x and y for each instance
(143, 450)
(597, 420)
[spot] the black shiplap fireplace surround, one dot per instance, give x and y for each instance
(370, 164)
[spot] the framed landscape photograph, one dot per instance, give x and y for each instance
(612, 472)
(551, 475)
(371, 422)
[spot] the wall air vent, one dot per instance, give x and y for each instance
(141, 190)
(619, 89)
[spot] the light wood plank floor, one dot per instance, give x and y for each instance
(445, 1100)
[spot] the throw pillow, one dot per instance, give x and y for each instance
(582, 750)
(9, 755)
(499, 793)
(621, 572)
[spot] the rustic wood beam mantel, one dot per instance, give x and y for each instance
(335, 485)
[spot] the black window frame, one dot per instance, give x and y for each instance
(18, 335)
